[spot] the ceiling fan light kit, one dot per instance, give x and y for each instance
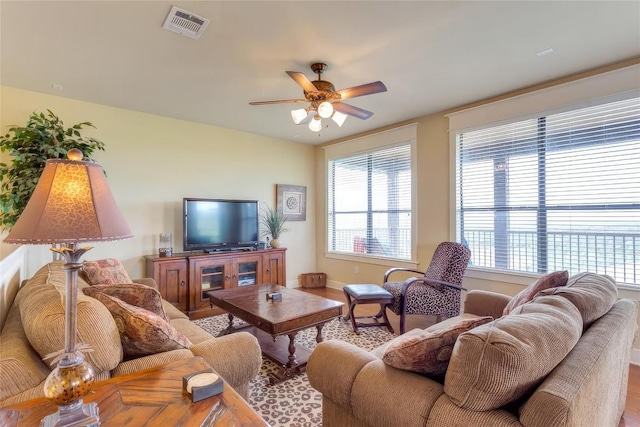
(325, 100)
(316, 124)
(299, 115)
(339, 118)
(325, 109)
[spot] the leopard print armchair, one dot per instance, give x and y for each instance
(437, 292)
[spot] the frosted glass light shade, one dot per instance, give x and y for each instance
(298, 115)
(325, 110)
(339, 118)
(316, 124)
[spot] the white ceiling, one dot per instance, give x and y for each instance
(431, 55)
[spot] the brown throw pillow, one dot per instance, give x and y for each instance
(428, 352)
(142, 332)
(107, 271)
(132, 293)
(550, 280)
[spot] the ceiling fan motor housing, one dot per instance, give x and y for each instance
(325, 89)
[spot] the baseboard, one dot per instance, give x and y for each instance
(330, 284)
(335, 285)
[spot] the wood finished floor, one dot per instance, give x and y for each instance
(631, 417)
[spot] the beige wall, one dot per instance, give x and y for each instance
(152, 162)
(434, 214)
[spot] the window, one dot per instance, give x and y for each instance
(554, 192)
(369, 202)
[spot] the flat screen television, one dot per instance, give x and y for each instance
(215, 224)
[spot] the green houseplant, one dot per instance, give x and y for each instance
(273, 221)
(44, 137)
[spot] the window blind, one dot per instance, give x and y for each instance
(369, 203)
(555, 192)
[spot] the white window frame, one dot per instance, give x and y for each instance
(403, 135)
(600, 89)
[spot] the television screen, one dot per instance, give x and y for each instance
(215, 224)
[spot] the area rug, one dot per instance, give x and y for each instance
(293, 402)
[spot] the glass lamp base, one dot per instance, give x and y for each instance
(75, 414)
(65, 386)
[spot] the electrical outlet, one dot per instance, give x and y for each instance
(356, 270)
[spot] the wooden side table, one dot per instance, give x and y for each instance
(148, 398)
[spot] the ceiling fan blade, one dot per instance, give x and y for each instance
(352, 111)
(302, 80)
(281, 101)
(367, 89)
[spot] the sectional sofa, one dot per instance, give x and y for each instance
(35, 328)
(561, 359)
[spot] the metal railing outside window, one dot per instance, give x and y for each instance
(560, 191)
(370, 203)
(613, 254)
(354, 240)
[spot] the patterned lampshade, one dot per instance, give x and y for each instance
(72, 203)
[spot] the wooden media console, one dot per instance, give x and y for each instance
(185, 279)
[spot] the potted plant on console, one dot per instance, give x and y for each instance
(273, 221)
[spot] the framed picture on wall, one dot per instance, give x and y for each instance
(291, 201)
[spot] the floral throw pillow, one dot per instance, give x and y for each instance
(428, 352)
(107, 271)
(550, 280)
(132, 293)
(142, 332)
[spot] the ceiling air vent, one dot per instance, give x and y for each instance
(186, 23)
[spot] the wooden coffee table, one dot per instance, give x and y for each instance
(153, 397)
(272, 320)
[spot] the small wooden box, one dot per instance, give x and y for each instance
(313, 280)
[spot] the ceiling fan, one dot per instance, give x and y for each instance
(325, 100)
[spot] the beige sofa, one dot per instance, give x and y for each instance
(38, 314)
(560, 360)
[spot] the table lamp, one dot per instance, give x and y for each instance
(71, 203)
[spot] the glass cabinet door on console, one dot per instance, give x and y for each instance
(208, 274)
(247, 270)
(211, 279)
(186, 278)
